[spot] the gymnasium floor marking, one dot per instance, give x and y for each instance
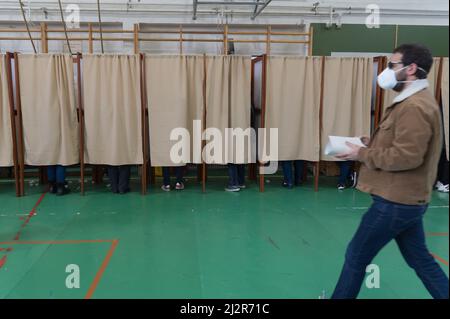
(445, 262)
(24, 224)
(106, 263)
(101, 270)
(16, 241)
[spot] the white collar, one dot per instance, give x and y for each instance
(413, 88)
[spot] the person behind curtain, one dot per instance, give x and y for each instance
(236, 177)
(56, 175)
(288, 180)
(398, 169)
(347, 177)
(442, 181)
(179, 183)
(119, 177)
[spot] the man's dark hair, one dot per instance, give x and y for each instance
(418, 54)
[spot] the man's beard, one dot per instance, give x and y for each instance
(400, 86)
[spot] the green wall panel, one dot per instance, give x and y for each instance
(359, 38)
(435, 37)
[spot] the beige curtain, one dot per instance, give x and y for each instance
(175, 100)
(6, 145)
(293, 104)
(112, 105)
(389, 95)
(228, 105)
(444, 89)
(347, 98)
(49, 114)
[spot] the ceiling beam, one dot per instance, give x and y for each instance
(255, 3)
(261, 9)
(256, 7)
(195, 4)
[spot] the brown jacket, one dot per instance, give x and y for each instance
(400, 163)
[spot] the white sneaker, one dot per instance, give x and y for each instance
(443, 189)
(179, 186)
(438, 185)
(166, 188)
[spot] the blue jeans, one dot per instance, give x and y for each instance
(56, 174)
(384, 222)
(178, 174)
(345, 171)
(287, 171)
(119, 176)
(236, 175)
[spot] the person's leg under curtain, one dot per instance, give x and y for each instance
(124, 179)
(443, 168)
(241, 175)
(166, 177)
(345, 171)
(62, 189)
(287, 172)
(233, 184)
(51, 176)
(60, 174)
(298, 167)
(179, 177)
(113, 174)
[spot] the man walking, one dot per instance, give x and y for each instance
(399, 167)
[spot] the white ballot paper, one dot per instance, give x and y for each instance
(336, 144)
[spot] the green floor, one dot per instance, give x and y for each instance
(277, 244)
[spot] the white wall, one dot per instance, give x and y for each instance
(294, 15)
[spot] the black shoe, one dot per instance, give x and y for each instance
(285, 184)
(52, 188)
(124, 191)
(353, 180)
(62, 189)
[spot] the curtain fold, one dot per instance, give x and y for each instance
(175, 100)
(228, 108)
(50, 124)
(293, 105)
(6, 144)
(347, 98)
(112, 109)
(445, 107)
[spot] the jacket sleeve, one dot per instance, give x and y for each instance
(412, 133)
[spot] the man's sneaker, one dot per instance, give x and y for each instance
(232, 189)
(353, 180)
(438, 185)
(166, 188)
(179, 186)
(340, 187)
(443, 189)
(242, 186)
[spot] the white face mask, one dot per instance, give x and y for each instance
(388, 80)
